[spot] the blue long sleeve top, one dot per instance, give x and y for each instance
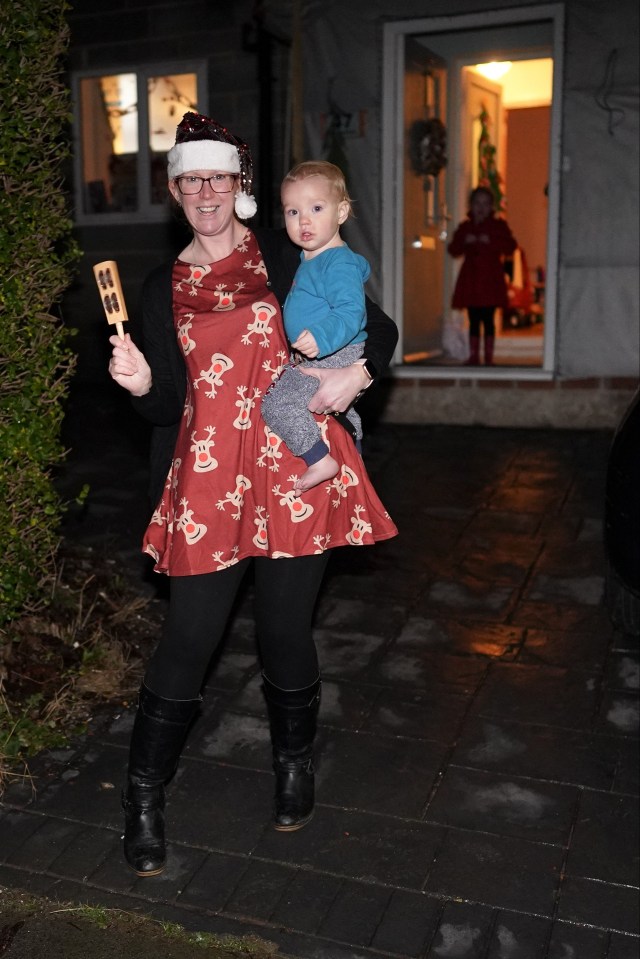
(327, 298)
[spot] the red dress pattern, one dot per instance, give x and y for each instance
(229, 493)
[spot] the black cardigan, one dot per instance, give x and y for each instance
(164, 403)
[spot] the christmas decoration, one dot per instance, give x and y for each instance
(428, 147)
(488, 175)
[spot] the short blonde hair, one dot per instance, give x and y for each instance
(332, 173)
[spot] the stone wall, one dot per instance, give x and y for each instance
(596, 403)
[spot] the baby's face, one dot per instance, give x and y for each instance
(313, 213)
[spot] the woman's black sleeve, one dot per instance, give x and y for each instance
(164, 403)
(382, 337)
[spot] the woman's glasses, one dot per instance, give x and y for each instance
(219, 183)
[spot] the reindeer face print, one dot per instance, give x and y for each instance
(225, 297)
(213, 376)
(299, 511)
(261, 538)
(276, 370)
(270, 451)
(246, 403)
(184, 521)
(359, 526)
(196, 275)
(236, 496)
(184, 338)
(341, 483)
(263, 313)
(204, 460)
(258, 268)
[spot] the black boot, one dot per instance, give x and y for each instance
(293, 714)
(158, 734)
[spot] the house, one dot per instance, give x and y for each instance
(397, 92)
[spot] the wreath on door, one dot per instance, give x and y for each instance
(428, 146)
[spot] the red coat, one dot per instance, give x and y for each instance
(481, 279)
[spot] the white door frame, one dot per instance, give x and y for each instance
(393, 145)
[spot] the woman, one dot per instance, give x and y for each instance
(224, 484)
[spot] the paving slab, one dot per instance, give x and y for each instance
(477, 752)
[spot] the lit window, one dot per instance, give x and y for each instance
(126, 122)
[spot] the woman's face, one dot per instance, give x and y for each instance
(209, 212)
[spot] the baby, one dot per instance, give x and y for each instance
(324, 313)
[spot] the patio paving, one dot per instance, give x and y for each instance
(478, 744)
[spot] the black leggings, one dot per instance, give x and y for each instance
(481, 315)
(285, 596)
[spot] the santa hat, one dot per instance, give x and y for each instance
(202, 144)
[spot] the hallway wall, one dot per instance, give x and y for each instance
(527, 176)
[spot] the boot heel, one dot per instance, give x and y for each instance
(159, 731)
(144, 842)
(293, 718)
(295, 793)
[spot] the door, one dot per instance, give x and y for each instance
(423, 201)
(481, 105)
(449, 44)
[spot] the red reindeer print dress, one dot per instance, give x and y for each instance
(229, 493)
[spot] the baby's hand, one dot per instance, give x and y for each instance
(306, 344)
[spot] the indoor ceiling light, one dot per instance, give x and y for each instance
(493, 70)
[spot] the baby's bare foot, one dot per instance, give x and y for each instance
(324, 469)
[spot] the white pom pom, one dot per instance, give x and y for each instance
(245, 205)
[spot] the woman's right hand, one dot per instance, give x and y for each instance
(339, 386)
(128, 366)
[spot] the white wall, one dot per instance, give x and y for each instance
(598, 297)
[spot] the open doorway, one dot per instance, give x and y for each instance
(488, 87)
(506, 107)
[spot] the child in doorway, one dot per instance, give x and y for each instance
(482, 239)
(324, 313)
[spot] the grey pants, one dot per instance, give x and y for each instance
(284, 406)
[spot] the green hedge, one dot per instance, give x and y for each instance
(37, 256)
